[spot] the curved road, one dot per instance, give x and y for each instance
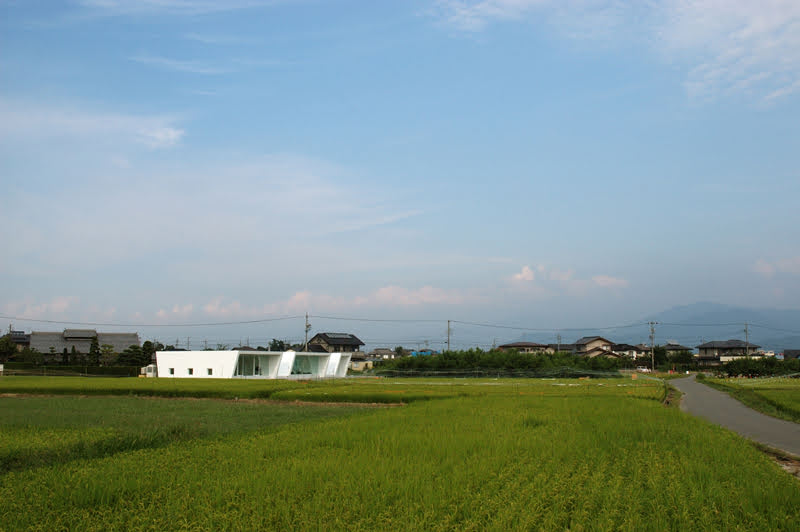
(722, 409)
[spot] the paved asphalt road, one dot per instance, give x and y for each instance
(722, 409)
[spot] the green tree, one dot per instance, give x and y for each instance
(149, 352)
(133, 356)
(94, 352)
(277, 345)
(660, 355)
(107, 354)
(32, 356)
(74, 356)
(681, 357)
(7, 348)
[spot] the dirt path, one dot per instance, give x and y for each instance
(722, 409)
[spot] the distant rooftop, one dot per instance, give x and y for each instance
(728, 344)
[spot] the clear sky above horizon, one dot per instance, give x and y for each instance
(530, 162)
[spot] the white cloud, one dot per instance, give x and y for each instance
(161, 137)
(789, 266)
(192, 67)
(177, 311)
(196, 215)
(219, 39)
(727, 46)
(306, 301)
(54, 308)
(399, 296)
(764, 268)
(525, 275)
(552, 282)
(607, 281)
(739, 45)
(24, 121)
(558, 275)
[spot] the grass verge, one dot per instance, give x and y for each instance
(776, 402)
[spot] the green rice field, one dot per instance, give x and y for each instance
(775, 396)
(432, 454)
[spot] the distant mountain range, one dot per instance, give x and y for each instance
(691, 325)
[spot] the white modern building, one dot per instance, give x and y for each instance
(251, 364)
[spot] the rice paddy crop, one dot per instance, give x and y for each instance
(475, 455)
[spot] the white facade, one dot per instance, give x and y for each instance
(251, 364)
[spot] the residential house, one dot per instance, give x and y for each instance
(20, 339)
(630, 351)
(673, 348)
(592, 346)
(560, 348)
(725, 351)
(360, 363)
(383, 353)
(523, 347)
(334, 343)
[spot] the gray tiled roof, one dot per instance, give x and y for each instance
(586, 339)
(339, 339)
(727, 344)
(522, 344)
(678, 347)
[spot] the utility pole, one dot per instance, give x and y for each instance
(205, 344)
(448, 335)
(653, 344)
(746, 341)
(308, 328)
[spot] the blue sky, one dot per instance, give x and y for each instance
(528, 162)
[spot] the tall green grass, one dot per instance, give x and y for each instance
(498, 455)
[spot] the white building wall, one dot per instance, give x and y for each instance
(285, 365)
(271, 364)
(221, 364)
(344, 363)
(333, 364)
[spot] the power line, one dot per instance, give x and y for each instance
(389, 320)
(774, 328)
(533, 329)
(736, 324)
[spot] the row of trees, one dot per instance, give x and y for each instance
(98, 355)
(759, 367)
(478, 361)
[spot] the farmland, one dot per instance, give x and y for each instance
(461, 454)
(776, 396)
